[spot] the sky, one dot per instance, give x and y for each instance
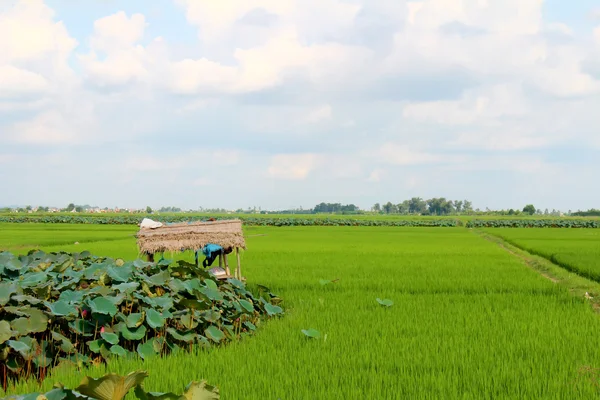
(288, 103)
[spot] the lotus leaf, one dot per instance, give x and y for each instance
(110, 337)
(111, 386)
(154, 319)
(214, 333)
(311, 333)
(146, 350)
(118, 350)
(5, 331)
(385, 302)
(66, 344)
(182, 336)
(6, 290)
(247, 305)
(134, 320)
(120, 274)
(102, 305)
(71, 296)
(62, 308)
(273, 310)
(132, 334)
(127, 287)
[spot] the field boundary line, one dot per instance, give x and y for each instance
(577, 285)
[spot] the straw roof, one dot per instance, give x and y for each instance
(191, 236)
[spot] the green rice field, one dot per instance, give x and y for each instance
(577, 250)
(469, 319)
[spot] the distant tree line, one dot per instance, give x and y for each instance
(335, 208)
(589, 213)
(419, 206)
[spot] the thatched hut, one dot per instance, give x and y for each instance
(194, 236)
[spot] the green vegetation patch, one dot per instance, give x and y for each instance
(249, 221)
(576, 250)
(533, 223)
(79, 309)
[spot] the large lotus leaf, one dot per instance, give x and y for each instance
(23, 298)
(65, 343)
(12, 264)
(188, 321)
(211, 284)
(116, 300)
(118, 350)
(95, 345)
(177, 285)
(154, 319)
(273, 310)
(111, 386)
(141, 394)
(102, 305)
(5, 331)
(211, 315)
(120, 274)
(212, 294)
(141, 264)
(247, 306)
(134, 320)
(72, 296)
(146, 350)
(201, 391)
(214, 333)
(6, 290)
(19, 346)
(237, 283)
(164, 302)
(110, 337)
(59, 394)
(101, 290)
(194, 304)
(42, 360)
(127, 287)
(82, 327)
(15, 310)
(182, 336)
(385, 302)
(132, 334)
(33, 279)
(36, 323)
(62, 308)
(159, 279)
(192, 285)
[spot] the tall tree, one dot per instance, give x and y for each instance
(529, 209)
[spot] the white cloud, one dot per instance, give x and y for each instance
(376, 175)
(476, 105)
(15, 82)
(319, 114)
(397, 154)
(292, 166)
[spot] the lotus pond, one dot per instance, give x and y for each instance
(387, 312)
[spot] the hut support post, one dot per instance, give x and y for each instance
(150, 257)
(226, 265)
(238, 271)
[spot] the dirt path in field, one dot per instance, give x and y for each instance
(576, 284)
(524, 256)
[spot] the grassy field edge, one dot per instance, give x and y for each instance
(577, 285)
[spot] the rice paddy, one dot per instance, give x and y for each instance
(577, 250)
(469, 320)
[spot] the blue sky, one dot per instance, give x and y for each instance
(287, 103)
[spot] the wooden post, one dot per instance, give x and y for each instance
(150, 257)
(226, 265)
(238, 272)
(220, 260)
